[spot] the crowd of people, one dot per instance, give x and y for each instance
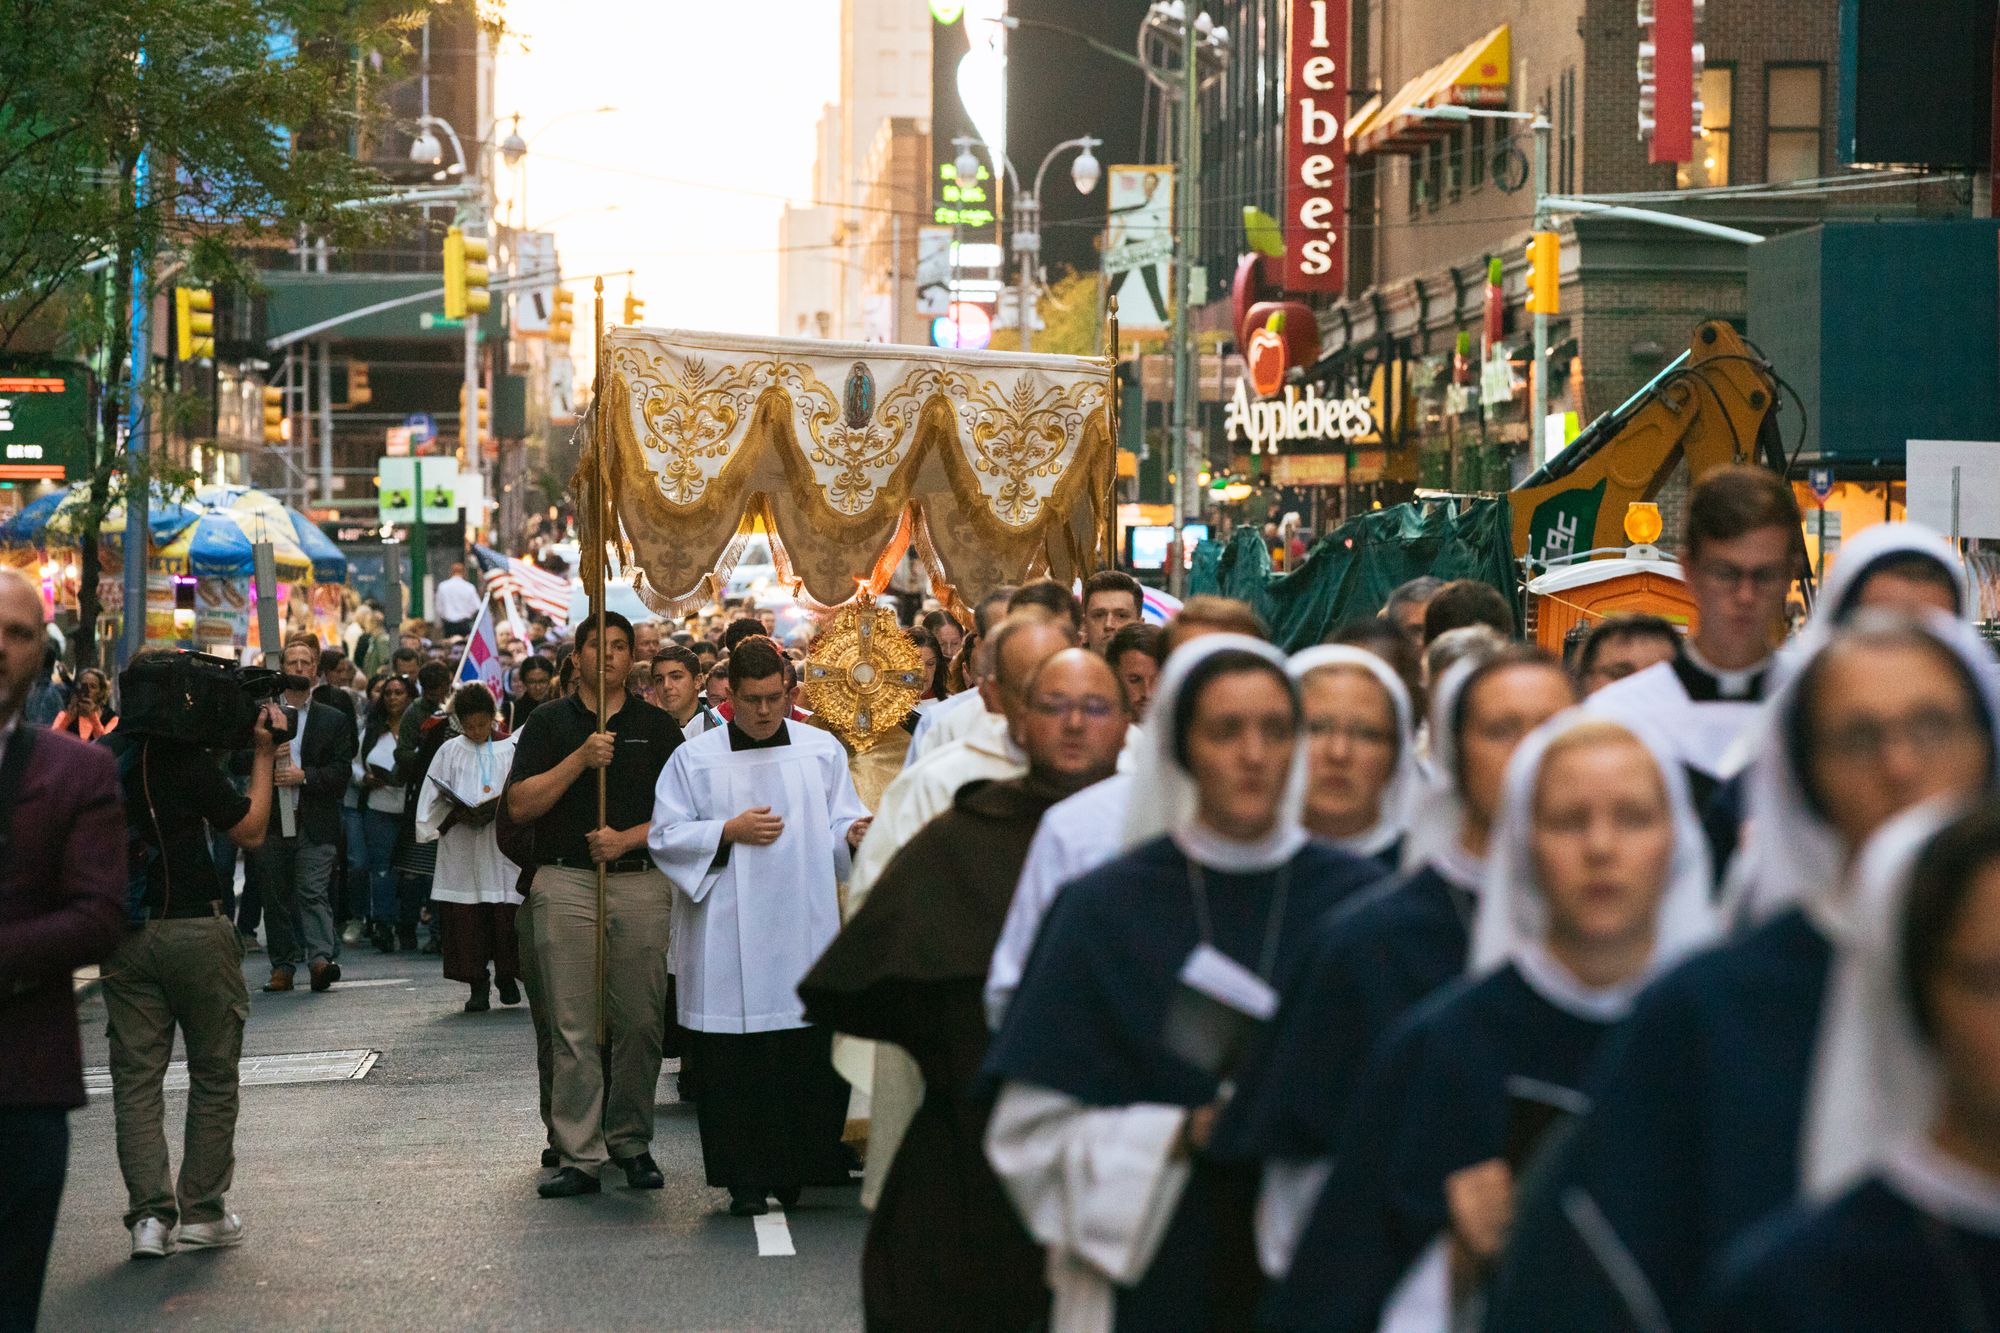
(1417, 980)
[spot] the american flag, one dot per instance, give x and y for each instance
(534, 586)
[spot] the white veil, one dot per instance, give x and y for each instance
(1512, 924)
(1163, 792)
(1400, 795)
(1440, 810)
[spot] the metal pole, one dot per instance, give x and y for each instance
(895, 277)
(138, 496)
(419, 545)
(600, 533)
(325, 422)
(1538, 380)
(1027, 223)
(1185, 454)
(264, 570)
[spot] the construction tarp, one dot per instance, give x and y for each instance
(997, 466)
(1349, 573)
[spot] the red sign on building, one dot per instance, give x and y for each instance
(1673, 81)
(1316, 147)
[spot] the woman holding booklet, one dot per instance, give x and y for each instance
(474, 885)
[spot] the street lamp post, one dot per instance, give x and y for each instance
(473, 217)
(1085, 172)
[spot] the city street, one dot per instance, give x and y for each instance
(405, 1198)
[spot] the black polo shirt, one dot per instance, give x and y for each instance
(174, 796)
(646, 737)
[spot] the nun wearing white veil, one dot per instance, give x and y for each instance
(1698, 1127)
(1901, 1224)
(1362, 775)
(1598, 882)
(1376, 958)
(1150, 984)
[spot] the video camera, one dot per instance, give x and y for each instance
(197, 698)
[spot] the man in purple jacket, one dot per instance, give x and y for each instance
(62, 905)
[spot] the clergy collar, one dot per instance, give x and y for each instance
(1200, 843)
(739, 739)
(1707, 683)
(1936, 1183)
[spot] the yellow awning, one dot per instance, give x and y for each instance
(1474, 77)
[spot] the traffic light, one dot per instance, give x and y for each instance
(562, 320)
(476, 419)
(465, 275)
(194, 318)
(635, 308)
(277, 424)
(1545, 274)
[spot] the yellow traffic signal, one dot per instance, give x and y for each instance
(562, 320)
(1545, 274)
(277, 424)
(635, 309)
(194, 318)
(476, 419)
(465, 276)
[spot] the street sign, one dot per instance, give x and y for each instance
(1820, 480)
(396, 442)
(402, 481)
(534, 256)
(430, 319)
(422, 428)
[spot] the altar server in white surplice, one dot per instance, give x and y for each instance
(753, 823)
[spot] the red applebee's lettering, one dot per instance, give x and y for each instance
(1316, 147)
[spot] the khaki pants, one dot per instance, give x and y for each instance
(589, 1120)
(186, 974)
(538, 1013)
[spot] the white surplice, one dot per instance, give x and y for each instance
(761, 920)
(470, 866)
(943, 723)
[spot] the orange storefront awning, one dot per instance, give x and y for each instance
(1474, 77)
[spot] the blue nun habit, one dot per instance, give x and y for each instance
(1439, 1093)
(1086, 1035)
(1698, 1100)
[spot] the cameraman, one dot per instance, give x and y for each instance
(181, 966)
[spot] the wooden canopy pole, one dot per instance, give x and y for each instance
(600, 500)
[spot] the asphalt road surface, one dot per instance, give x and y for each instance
(405, 1199)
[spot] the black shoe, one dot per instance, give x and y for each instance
(550, 1157)
(510, 993)
(567, 1183)
(406, 939)
(641, 1172)
(478, 1003)
(788, 1198)
(383, 937)
(747, 1205)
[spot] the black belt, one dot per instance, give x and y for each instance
(624, 866)
(188, 911)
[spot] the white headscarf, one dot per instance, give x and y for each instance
(1791, 854)
(1164, 793)
(1513, 921)
(1874, 1085)
(1439, 817)
(1858, 559)
(1399, 795)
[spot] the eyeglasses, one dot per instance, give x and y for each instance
(1762, 578)
(1356, 733)
(1927, 730)
(1094, 709)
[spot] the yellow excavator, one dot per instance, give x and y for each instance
(1713, 406)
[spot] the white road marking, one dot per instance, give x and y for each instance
(774, 1237)
(294, 1067)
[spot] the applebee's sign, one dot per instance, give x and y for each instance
(1297, 417)
(1316, 147)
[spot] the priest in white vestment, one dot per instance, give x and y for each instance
(474, 887)
(753, 823)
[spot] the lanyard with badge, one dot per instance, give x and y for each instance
(1220, 1004)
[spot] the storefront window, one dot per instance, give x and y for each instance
(1711, 147)
(1792, 139)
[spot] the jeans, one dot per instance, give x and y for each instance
(186, 974)
(376, 847)
(33, 1162)
(296, 875)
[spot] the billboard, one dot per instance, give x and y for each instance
(1139, 245)
(1316, 147)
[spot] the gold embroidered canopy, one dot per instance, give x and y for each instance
(999, 466)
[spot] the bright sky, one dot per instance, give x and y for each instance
(684, 182)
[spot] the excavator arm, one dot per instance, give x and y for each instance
(1713, 406)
